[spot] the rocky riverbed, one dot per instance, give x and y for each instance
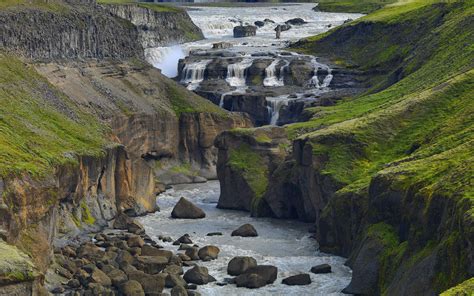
(223, 253)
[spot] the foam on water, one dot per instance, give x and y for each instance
(283, 243)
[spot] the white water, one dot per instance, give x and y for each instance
(274, 106)
(193, 74)
(270, 75)
(314, 81)
(285, 244)
(236, 75)
(217, 25)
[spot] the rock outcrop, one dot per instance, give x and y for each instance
(158, 25)
(244, 31)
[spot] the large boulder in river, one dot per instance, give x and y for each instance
(322, 268)
(257, 276)
(198, 275)
(239, 265)
(259, 23)
(296, 21)
(282, 28)
(297, 280)
(244, 31)
(208, 253)
(185, 209)
(246, 230)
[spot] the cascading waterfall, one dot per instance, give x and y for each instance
(274, 105)
(314, 81)
(270, 75)
(236, 73)
(193, 74)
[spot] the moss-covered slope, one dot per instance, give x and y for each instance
(399, 157)
(358, 6)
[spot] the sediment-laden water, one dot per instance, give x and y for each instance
(283, 243)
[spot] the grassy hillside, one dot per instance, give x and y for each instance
(35, 132)
(362, 6)
(413, 131)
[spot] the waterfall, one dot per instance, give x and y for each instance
(274, 107)
(165, 58)
(236, 72)
(270, 75)
(282, 71)
(193, 74)
(314, 81)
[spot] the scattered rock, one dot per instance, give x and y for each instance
(173, 280)
(192, 253)
(208, 253)
(183, 240)
(221, 45)
(179, 291)
(185, 209)
(198, 275)
(267, 272)
(214, 233)
(239, 265)
(74, 284)
(199, 179)
(296, 22)
(244, 31)
(135, 241)
(284, 27)
(117, 277)
(58, 290)
(251, 281)
(297, 280)
(246, 230)
(99, 277)
(152, 264)
(348, 21)
(259, 23)
(323, 268)
(153, 251)
(173, 269)
(132, 288)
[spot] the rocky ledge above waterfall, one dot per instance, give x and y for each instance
(265, 84)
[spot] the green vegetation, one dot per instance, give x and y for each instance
(253, 168)
(86, 214)
(34, 136)
(362, 6)
(153, 6)
(15, 266)
(185, 169)
(466, 288)
(49, 5)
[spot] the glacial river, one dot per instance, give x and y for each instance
(283, 243)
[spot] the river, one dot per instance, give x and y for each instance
(283, 243)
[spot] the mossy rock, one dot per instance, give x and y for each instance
(15, 266)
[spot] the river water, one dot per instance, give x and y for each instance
(283, 243)
(217, 24)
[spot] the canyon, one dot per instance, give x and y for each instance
(361, 133)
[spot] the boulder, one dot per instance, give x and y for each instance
(151, 284)
(259, 23)
(192, 253)
(297, 280)
(135, 241)
(239, 265)
(296, 21)
(246, 230)
(99, 277)
(173, 280)
(322, 268)
(173, 269)
(208, 253)
(268, 272)
(185, 209)
(198, 275)
(131, 288)
(214, 233)
(152, 264)
(250, 280)
(179, 291)
(117, 277)
(244, 31)
(183, 240)
(284, 27)
(153, 251)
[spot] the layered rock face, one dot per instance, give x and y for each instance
(160, 26)
(74, 31)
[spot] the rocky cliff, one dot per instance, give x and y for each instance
(158, 25)
(85, 139)
(387, 176)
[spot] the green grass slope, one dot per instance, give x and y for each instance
(412, 131)
(357, 6)
(34, 134)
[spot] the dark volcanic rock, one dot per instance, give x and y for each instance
(296, 22)
(297, 280)
(259, 23)
(267, 272)
(284, 27)
(245, 230)
(239, 265)
(323, 268)
(251, 281)
(185, 209)
(245, 31)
